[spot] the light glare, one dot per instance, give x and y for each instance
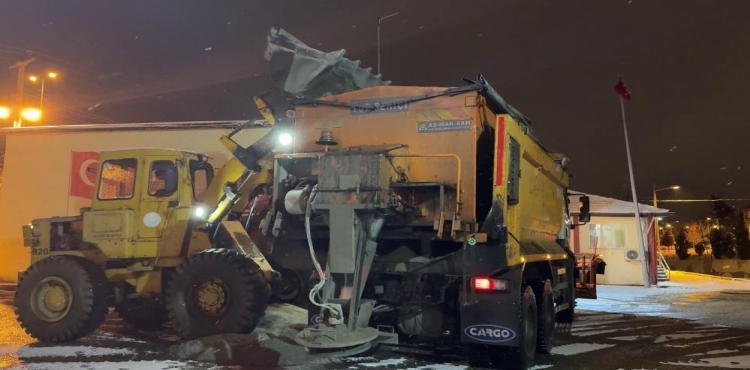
(31, 114)
(285, 139)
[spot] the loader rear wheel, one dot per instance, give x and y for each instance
(217, 291)
(58, 299)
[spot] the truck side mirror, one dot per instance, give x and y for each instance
(584, 215)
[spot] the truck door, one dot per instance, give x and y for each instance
(160, 190)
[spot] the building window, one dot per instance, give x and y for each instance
(607, 235)
(117, 179)
(162, 181)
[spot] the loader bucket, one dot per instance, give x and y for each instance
(309, 73)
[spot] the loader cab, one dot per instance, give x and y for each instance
(145, 198)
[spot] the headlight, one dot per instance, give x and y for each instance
(285, 138)
(199, 212)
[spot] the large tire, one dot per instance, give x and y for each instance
(142, 313)
(546, 314)
(60, 299)
(217, 291)
(293, 288)
(521, 357)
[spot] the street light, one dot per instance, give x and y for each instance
(5, 112)
(50, 75)
(656, 221)
(380, 19)
(31, 114)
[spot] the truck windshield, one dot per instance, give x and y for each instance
(117, 179)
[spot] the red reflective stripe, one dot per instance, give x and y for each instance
(500, 149)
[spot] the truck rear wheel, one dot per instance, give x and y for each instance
(58, 299)
(292, 288)
(546, 322)
(523, 356)
(217, 291)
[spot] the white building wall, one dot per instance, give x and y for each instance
(620, 270)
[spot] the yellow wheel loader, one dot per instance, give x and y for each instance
(161, 241)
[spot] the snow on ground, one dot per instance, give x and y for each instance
(72, 351)
(685, 296)
(105, 365)
(735, 362)
(578, 348)
(382, 363)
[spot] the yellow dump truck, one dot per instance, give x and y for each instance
(425, 213)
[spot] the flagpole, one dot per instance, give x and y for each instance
(639, 227)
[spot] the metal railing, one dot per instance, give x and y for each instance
(664, 265)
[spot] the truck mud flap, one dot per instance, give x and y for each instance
(492, 318)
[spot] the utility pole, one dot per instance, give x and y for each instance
(625, 94)
(20, 80)
(380, 19)
(657, 235)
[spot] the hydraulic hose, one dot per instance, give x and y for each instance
(323, 279)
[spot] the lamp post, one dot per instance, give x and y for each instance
(51, 75)
(656, 220)
(380, 19)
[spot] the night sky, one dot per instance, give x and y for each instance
(686, 62)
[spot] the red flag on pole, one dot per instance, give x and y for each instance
(620, 89)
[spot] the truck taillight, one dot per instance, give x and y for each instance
(486, 284)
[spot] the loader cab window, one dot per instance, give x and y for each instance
(117, 179)
(201, 174)
(162, 181)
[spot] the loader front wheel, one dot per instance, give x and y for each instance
(59, 300)
(217, 291)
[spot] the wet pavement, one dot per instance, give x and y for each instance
(597, 340)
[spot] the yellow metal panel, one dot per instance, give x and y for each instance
(538, 215)
(112, 231)
(148, 282)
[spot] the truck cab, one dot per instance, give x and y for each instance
(142, 199)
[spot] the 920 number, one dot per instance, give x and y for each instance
(40, 251)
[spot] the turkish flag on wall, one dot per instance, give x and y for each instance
(84, 166)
